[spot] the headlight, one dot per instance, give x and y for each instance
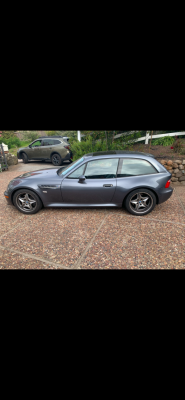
(13, 183)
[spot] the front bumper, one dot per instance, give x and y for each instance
(8, 197)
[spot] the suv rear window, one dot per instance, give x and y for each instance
(134, 167)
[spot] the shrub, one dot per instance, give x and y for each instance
(89, 145)
(51, 133)
(163, 141)
(12, 142)
(31, 136)
(177, 146)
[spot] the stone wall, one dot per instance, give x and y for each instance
(177, 169)
(11, 159)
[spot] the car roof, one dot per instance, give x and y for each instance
(49, 137)
(118, 153)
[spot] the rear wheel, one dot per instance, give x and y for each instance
(56, 160)
(140, 202)
(25, 158)
(27, 201)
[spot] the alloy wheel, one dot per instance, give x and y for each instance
(141, 202)
(26, 202)
(56, 159)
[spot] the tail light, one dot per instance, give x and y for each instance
(67, 147)
(167, 184)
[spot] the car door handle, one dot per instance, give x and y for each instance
(107, 185)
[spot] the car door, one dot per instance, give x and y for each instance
(36, 153)
(47, 147)
(98, 187)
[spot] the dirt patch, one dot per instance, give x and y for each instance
(163, 152)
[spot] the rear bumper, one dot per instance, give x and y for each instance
(68, 156)
(164, 195)
(8, 197)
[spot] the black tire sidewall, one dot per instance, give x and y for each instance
(39, 203)
(60, 163)
(25, 158)
(127, 200)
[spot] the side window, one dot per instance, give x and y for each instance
(37, 143)
(45, 142)
(102, 169)
(134, 167)
(57, 142)
(76, 174)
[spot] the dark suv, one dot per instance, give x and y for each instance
(47, 148)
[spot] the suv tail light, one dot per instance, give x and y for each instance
(67, 147)
(167, 184)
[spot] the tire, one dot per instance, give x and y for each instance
(25, 158)
(33, 204)
(56, 160)
(146, 198)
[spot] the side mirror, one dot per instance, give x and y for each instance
(82, 178)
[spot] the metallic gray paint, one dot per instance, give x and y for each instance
(63, 192)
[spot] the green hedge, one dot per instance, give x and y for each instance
(89, 145)
(12, 142)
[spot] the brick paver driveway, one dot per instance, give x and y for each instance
(91, 238)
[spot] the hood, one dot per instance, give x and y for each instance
(42, 173)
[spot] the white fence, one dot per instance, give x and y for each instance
(147, 137)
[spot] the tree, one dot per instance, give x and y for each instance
(8, 134)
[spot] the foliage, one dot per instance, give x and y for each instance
(51, 133)
(7, 134)
(12, 142)
(182, 151)
(31, 136)
(177, 145)
(102, 143)
(163, 141)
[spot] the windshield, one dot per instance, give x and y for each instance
(63, 171)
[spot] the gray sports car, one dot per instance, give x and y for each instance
(103, 179)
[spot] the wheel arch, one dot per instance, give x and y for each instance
(24, 187)
(55, 152)
(23, 152)
(142, 187)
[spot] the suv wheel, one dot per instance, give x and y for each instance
(140, 202)
(25, 158)
(56, 160)
(27, 201)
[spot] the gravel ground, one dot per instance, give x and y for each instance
(91, 238)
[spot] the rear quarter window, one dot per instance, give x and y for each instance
(134, 167)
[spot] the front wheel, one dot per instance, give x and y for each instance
(27, 201)
(140, 202)
(56, 160)
(25, 158)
